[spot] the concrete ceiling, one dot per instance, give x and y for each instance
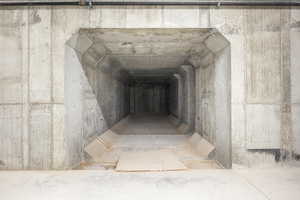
(149, 52)
(146, 53)
(151, 63)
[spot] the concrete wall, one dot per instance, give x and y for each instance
(213, 96)
(223, 107)
(294, 69)
(187, 74)
(173, 96)
(96, 95)
(205, 102)
(264, 71)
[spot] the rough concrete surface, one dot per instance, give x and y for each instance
(260, 184)
(264, 46)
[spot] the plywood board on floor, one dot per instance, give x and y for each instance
(108, 138)
(200, 145)
(183, 128)
(160, 160)
(100, 153)
(202, 164)
(96, 149)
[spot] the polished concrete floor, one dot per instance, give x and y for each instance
(279, 183)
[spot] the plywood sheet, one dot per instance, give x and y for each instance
(108, 138)
(173, 120)
(183, 128)
(200, 145)
(96, 149)
(160, 160)
(202, 164)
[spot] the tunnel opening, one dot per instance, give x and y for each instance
(149, 99)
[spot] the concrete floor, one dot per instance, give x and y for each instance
(150, 142)
(279, 183)
(144, 134)
(146, 124)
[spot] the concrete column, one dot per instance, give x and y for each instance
(179, 96)
(189, 95)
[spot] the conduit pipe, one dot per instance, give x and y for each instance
(90, 3)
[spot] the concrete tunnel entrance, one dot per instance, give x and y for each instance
(149, 99)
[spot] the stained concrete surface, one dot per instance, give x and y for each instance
(263, 184)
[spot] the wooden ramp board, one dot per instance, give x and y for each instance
(201, 146)
(108, 138)
(183, 128)
(158, 160)
(96, 149)
(202, 164)
(100, 150)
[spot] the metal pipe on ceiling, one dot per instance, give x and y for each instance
(91, 3)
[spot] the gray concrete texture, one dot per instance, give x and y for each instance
(41, 127)
(210, 184)
(103, 51)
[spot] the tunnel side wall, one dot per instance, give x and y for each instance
(112, 94)
(223, 107)
(187, 74)
(173, 97)
(205, 122)
(265, 76)
(96, 95)
(213, 98)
